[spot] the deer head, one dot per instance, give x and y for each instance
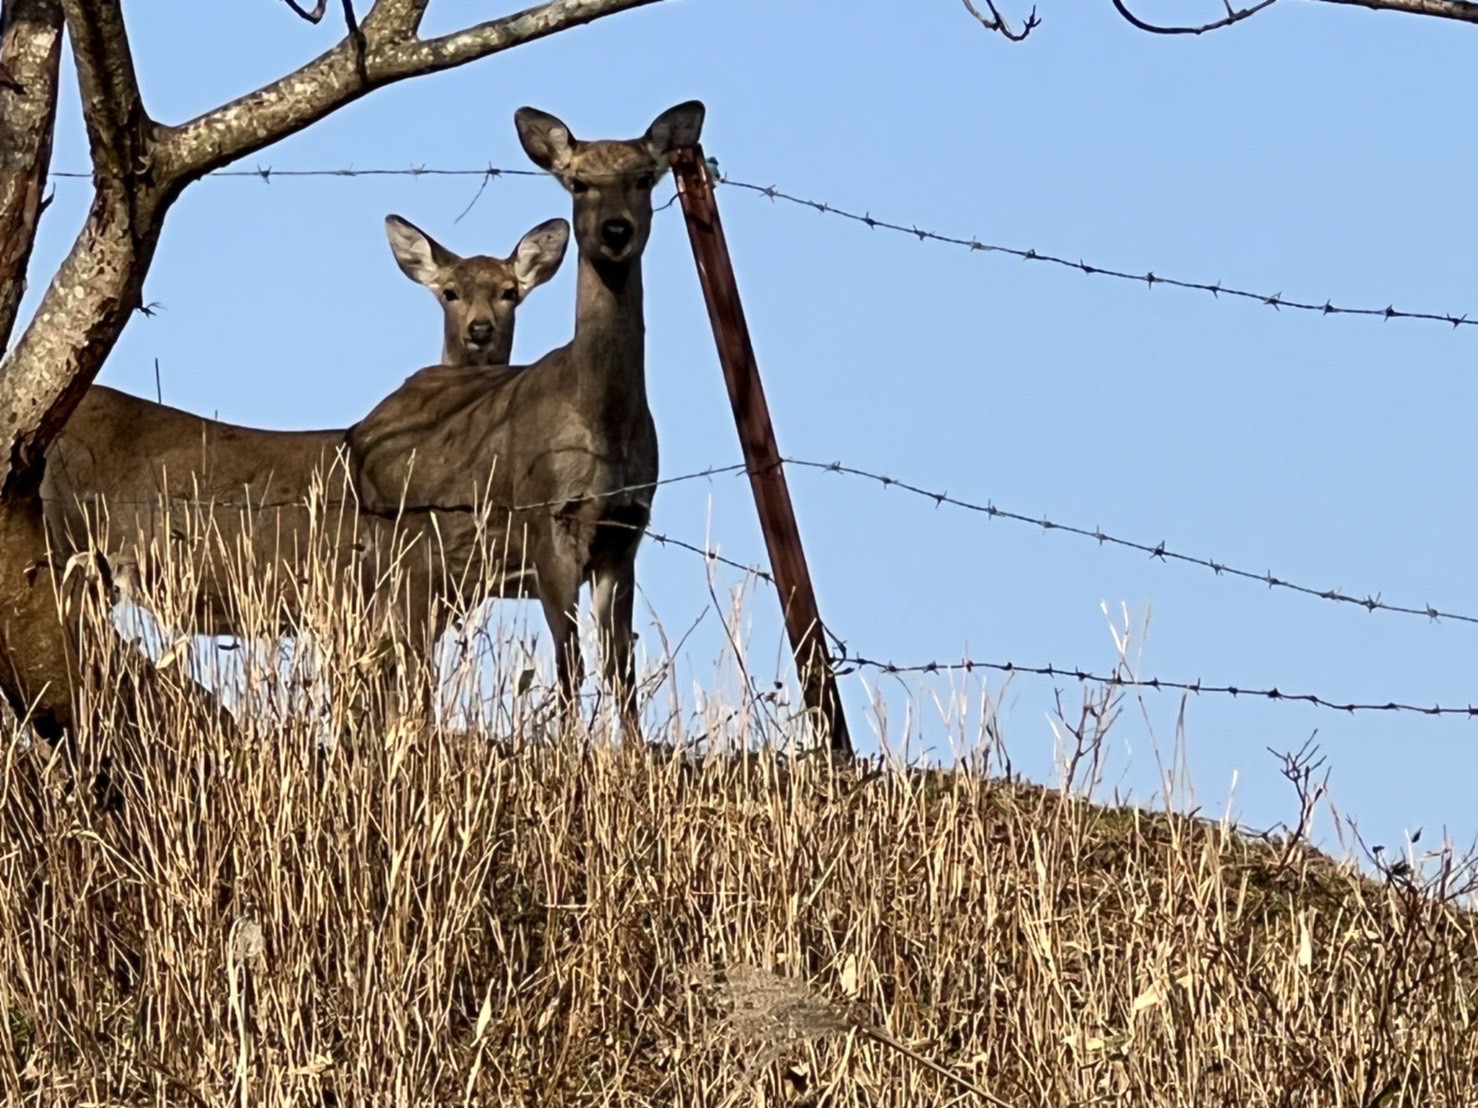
(478, 295)
(611, 180)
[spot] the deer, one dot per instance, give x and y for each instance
(122, 458)
(479, 296)
(556, 460)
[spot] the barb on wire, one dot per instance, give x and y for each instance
(1150, 279)
(1158, 551)
(968, 665)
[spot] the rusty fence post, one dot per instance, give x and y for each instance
(757, 439)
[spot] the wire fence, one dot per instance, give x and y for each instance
(1157, 551)
(849, 662)
(1149, 278)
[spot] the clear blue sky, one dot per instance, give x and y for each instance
(1313, 151)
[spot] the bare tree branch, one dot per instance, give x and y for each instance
(1234, 15)
(30, 56)
(393, 53)
(997, 22)
(1463, 11)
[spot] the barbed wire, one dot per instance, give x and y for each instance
(847, 662)
(851, 663)
(329, 503)
(1148, 278)
(1158, 551)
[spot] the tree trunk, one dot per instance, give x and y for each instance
(41, 662)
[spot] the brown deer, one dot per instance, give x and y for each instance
(560, 456)
(123, 463)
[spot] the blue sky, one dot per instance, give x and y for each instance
(1312, 151)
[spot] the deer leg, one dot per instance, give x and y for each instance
(559, 593)
(411, 625)
(614, 599)
(425, 621)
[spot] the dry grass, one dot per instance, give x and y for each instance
(507, 915)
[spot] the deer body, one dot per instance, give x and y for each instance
(140, 472)
(138, 466)
(560, 456)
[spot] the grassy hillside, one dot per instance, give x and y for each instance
(513, 916)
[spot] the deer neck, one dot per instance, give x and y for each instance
(609, 344)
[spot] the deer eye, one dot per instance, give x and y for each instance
(450, 295)
(510, 293)
(646, 180)
(577, 185)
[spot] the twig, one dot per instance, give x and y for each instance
(314, 16)
(1234, 15)
(361, 47)
(997, 22)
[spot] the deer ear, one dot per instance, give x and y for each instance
(539, 254)
(675, 128)
(546, 140)
(420, 256)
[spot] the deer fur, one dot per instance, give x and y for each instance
(122, 461)
(559, 456)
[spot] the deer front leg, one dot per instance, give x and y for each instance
(614, 588)
(559, 594)
(413, 621)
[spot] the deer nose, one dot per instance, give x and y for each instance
(479, 331)
(617, 233)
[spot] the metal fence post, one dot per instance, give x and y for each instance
(761, 454)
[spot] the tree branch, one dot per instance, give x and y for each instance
(392, 53)
(100, 283)
(1463, 11)
(30, 56)
(997, 22)
(111, 105)
(414, 57)
(1233, 16)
